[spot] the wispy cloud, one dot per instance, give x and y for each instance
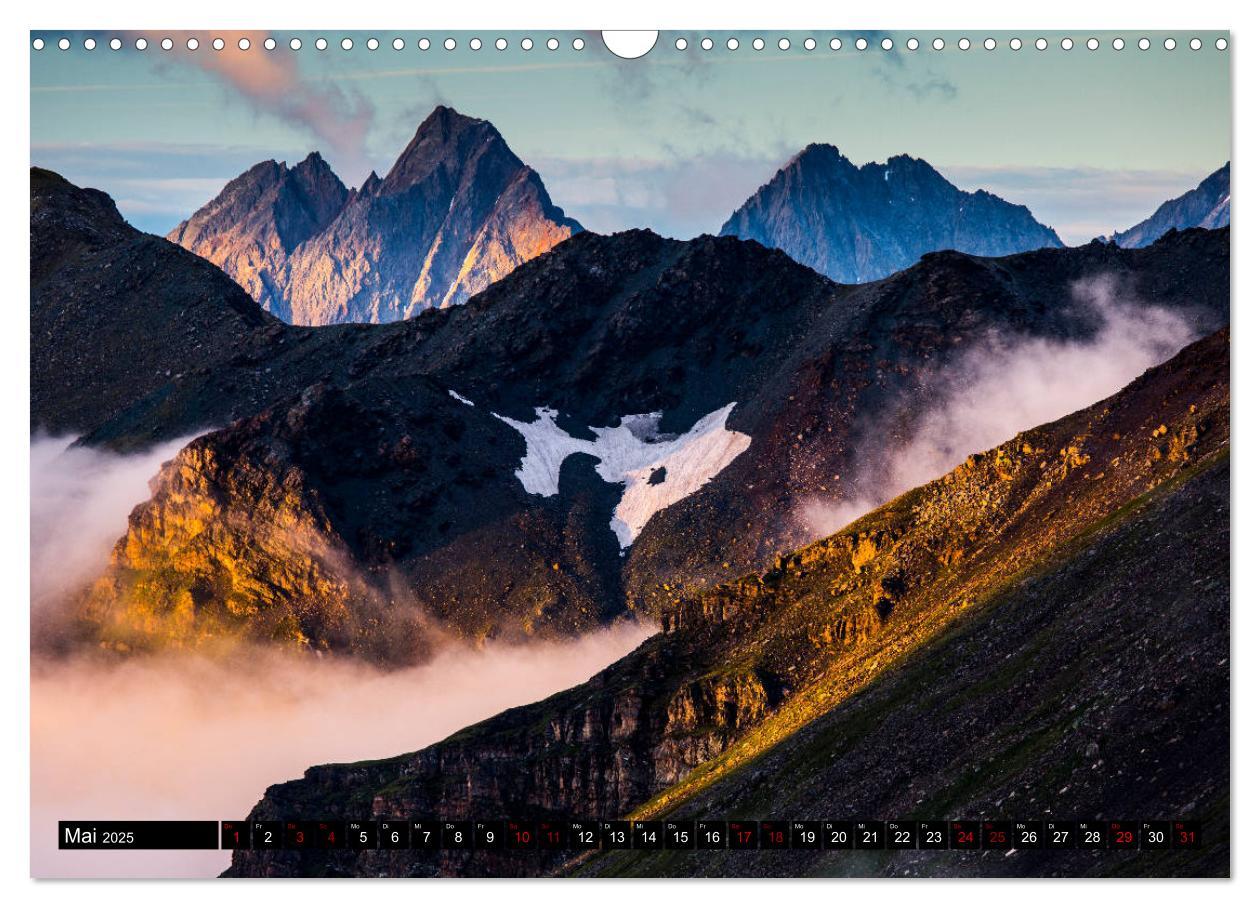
(931, 86)
(337, 118)
(934, 86)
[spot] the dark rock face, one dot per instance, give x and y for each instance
(119, 317)
(457, 211)
(599, 328)
(858, 224)
(1207, 205)
(1030, 600)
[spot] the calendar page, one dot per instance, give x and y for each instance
(654, 454)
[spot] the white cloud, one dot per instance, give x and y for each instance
(1000, 388)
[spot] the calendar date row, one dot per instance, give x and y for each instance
(762, 835)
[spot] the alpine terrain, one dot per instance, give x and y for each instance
(1042, 632)
(620, 419)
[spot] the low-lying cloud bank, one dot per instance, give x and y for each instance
(184, 737)
(1000, 388)
(80, 500)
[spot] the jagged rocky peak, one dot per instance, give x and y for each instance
(270, 195)
(457, 211)
(322, 189)
(858, 224)
(820, 153)
(448, 140)
(250, 228)
(1207, 205)
(370, 185)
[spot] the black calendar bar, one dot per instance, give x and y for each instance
(182, 835)
(641, 835)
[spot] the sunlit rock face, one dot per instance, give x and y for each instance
(457, 211)
(252, 227)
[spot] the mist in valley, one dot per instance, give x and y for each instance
(999, 388)
(184, 736)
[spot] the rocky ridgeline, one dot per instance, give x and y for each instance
(745, 666)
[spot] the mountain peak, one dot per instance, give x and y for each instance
(905, 161)
(1207, 205)
(445, 140)
(313, 161)
(818, 151)
(445, 116)
(857, 224)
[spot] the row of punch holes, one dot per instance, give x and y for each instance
(578, 44)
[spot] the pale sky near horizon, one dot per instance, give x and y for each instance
(1091, 141)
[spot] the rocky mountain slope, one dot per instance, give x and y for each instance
(119, 317)
(1207, 205)
(858, 224)
(1018, 633)
(457, 211)
(349, 479)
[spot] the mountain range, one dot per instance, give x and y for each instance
(288, 526)
(1207, 205)
(457, 211)
(857, 224)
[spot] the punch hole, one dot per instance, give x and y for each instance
(631, 45)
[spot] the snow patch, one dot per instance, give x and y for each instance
(461, 398)
(631, 454)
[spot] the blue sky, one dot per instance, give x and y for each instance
(1091, 141)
